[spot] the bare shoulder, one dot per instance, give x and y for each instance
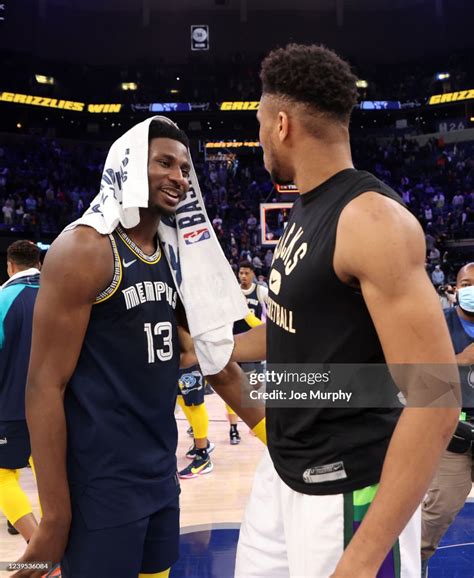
(80, 261)
(376, 231)
(374, 209)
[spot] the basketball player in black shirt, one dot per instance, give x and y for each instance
(340, 495)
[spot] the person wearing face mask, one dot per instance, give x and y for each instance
(453, 480)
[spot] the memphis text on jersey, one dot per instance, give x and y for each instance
(148, 291)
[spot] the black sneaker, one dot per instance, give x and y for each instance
(191, 453)
(190, 432)
(234, 436)
(198, 467)
(11, 529)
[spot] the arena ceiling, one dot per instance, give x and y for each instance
(111, 32)
(238, 5)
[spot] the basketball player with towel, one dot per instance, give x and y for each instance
(338, 494)
(102, 381)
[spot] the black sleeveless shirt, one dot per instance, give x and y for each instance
(314, 318)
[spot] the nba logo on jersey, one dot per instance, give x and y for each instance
(196, 236)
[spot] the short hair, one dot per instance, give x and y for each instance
(163, 129)
(246, 265)
(23, 253)
(312, 75)
(463, 270)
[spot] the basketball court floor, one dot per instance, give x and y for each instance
(212, 507)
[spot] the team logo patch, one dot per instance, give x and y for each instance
(196, 236)
(190, 382)
(3, 441)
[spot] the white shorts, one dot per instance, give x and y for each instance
(286, 534)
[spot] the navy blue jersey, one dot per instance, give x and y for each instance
(254, 298)
(120, 401)
(17, 301)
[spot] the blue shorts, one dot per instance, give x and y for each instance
(149, 545)
(191, 386)
(15, 450)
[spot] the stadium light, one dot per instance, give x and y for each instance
(42, 79)
(129, 86)
(362, 84)
(174, 91)
(442, 76)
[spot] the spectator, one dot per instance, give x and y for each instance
(251, 222)
(453, 480)
(262, 281)
(437, 276)
(268, 258)
(217, 222)
(31, 204)
(19, 213)
(8, 212)
(458, 201)
(447, 296)
(434, 256)
(257, 264)
(438, 200)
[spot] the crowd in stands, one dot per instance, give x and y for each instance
(46, 184)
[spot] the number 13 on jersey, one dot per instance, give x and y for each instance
(165, 331)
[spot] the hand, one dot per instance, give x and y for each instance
(47, 544)
(352, 567)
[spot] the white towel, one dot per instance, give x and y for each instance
(204, 279)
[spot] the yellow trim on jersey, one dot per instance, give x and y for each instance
(116, 280)
(164, 574)
(252, 320)
(137, 251)
(260, 430)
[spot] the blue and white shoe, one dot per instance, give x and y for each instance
(191, 453)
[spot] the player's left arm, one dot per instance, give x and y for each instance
(187, 353)
(231, 383)
(381, 247)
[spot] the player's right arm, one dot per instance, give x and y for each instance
(77, 268)
(251, 345)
